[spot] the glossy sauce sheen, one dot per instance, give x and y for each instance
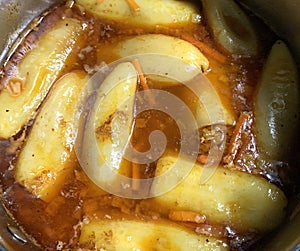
(79, 198)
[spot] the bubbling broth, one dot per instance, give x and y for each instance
(45, 186)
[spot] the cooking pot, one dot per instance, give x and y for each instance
(281, 15)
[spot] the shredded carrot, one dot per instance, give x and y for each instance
(133, 5)
(202, 158)
(143, 80)
(205, 48)
(138, 68)
(187, 216)
(245, 141)
(135, 176)
(235, 141)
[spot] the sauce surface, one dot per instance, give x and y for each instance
(59, 221)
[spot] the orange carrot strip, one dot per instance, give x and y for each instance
(101, 1)
(202, 158)
(133, 5)
(205, 48)
(135, 176)
(235, 141)
(187, 216)
(138, 68)
(245, 141)
(142, 78)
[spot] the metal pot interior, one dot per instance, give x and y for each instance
(281, 16)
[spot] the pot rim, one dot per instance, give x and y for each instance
(17, 13)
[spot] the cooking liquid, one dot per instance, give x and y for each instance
(59, 220)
